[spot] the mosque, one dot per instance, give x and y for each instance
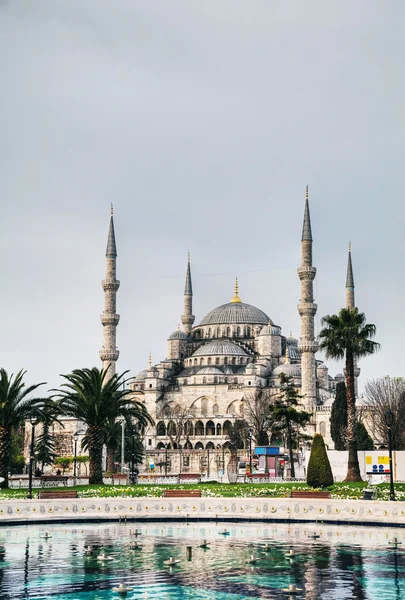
(214, 368)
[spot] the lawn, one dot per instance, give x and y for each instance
(239, 490)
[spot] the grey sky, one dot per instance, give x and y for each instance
(202, 122)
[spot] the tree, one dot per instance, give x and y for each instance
(387, 393)
(338, 417)
(319, 472)
(258, 415)
(64, 462)
(45, 443)
(15, 407)
(364, 440)
(285, 415)
(177, 417)
(338, 423)
(90, 397)
(348, 336)
(237, 435)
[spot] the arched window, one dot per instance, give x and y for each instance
(194, 380)
(184, 381)
(201, 361)
(188, 445)
(210, 428)
(217, 360)
(199, 428)
(238, 331)
(171, 428)
(215, 409)
(210, 446)
(218, 429)
(218, 332)
(199, 446)
(235, 380)
(248, 332)
(209, 361)
(197, 335)
(204, 380)
(226, 380)
(215, 379)
(161, 428)
(195, 362)
(233, 360)
(226, 428)
(209, 332)
(188, 428)
(225, 360)
(228, 332)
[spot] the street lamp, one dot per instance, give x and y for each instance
(33, 422)
(389, 421)
(250, 434)
(75, 437)
(166, 448)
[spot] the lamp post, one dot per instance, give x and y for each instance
(75, 437)
(250, 448)
(33, 422)
(166, 447)
(122, 446)
(389, 421)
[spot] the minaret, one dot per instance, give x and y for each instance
(351, 303)
(307, 310)
(109, 353)
(188, 318)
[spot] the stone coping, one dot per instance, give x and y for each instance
(372, 512)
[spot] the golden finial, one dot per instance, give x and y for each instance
(178, 326)
(290, 333)
(112, 209)
(150, 360)
(350, 246)
(236, 296)
(287, 356)
(269, 323)
(188, 255)
(306, 193)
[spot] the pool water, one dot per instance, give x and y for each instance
(342, 563)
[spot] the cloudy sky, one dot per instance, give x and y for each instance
(202, 122)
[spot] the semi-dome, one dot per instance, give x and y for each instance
(141, 375)
(288, 369)
(270, 330)
(209, 371)
(220, 347)
(178, 335)
(236, 313)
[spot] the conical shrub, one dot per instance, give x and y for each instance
(319, 472)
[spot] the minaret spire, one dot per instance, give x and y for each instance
(307, 310)
(187, 318)
(350, 301)
(109, 319)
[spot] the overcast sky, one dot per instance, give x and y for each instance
(202, 122)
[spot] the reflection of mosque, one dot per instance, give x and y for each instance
(235, 352)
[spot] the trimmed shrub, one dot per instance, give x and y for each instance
(319, 472)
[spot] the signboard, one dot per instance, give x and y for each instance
(267, 450)
(381, 466)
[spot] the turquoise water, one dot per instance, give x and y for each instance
(343, 563)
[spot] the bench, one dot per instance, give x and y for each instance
(47, 480)
(51, 495)
(181, 494)
(309, 494)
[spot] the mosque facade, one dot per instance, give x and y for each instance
(215, 368)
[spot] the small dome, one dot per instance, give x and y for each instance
(270, 329)
(141, 375)
(288, 369)
(220, 347)
(209, 371)
(340, 377)
(291, 341)
(178, 335)
(322, 367)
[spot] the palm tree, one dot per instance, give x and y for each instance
(89, 396)
(347, 335)
(47, 414)
(15, 407)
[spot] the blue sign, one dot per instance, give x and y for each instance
(267, 451)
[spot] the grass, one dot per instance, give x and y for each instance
(249, 490)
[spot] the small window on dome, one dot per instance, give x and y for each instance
(218, 332)
(195, 380)
(209, 332)
(215, 379)
(204, 380)
(225, 360)
(235, 380)
(228, 332)
(184, 381)
(248, 331)
(233, 360)
(195, 361)
(209, 361)
(201, 361)
(217, 360)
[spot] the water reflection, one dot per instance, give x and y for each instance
(341, 563)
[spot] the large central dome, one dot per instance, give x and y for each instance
(236, 312)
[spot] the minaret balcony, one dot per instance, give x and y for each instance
(306, 273)
(307, 308)
(307, 346)
(109, 319)
(109, 355)
(110, 285)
